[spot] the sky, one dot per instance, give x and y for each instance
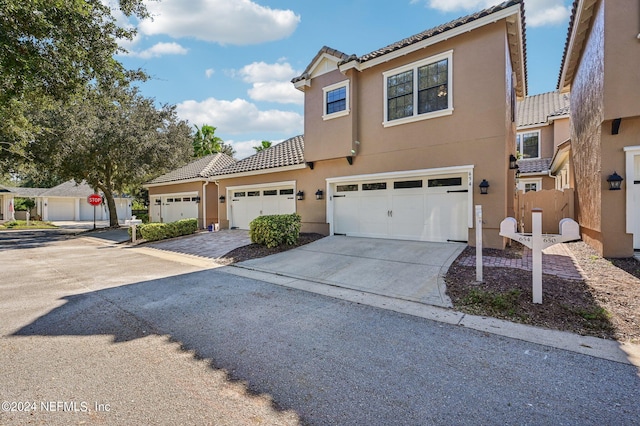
(229, 63)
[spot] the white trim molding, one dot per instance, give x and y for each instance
(326, 90)
(258, 172)
(448, 55)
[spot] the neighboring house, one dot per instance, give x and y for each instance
(266, 183)
(65, 202)
(543, 127)
(600, 68)
(187, 193)
(397, 141)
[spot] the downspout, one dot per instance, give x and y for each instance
(218, 201)
(204, 204)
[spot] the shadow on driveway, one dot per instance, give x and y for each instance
(335, 362)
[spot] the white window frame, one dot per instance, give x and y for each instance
(522, 182)
(525, 132)
(414, 67)
(326, 90)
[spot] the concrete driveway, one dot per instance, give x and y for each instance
(407, 270)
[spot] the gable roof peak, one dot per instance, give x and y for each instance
(200, 168)
(287, 153)
(323, 52)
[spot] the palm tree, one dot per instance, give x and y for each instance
(265, 145)
(205, 141)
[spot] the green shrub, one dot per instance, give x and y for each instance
(275, 230)
(161, 231)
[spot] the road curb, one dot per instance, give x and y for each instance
(625, 353)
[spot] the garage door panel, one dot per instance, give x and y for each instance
(374, 216)
(408, 218)
(446, 217)
(346, 208)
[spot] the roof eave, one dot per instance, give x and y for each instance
(580, 22)
(173, 182)
(462, 29)
(257, 172)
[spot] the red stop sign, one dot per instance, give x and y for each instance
(94, 199)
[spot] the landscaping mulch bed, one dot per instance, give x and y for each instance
(606, 304)
(254, 251)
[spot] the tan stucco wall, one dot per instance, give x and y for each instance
(621, 58)
(211, 199)
(601, 91)
(587, 94)
(561, 131)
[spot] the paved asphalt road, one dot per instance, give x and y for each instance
(94, 333)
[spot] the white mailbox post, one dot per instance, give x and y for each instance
(133, 222)
(536, 241)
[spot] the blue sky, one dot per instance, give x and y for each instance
(228, 63)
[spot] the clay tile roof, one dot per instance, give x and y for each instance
(439, 30)
(537, 109)
(534, 165)
(287, 153)
(567, 61)
(201, 168)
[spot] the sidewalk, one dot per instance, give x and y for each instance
(556, 260)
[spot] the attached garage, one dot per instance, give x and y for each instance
(177, 206)
(425, 206)
(248, 202)
(62, 209)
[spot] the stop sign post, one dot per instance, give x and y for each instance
(95, 200)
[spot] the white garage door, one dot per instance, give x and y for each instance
(247, 204)
(176, 207)
(61, 209)
(421, 208)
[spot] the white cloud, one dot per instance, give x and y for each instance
(546, 12)
(238, 22)
(209, 72)
(273, 91)
(160, 49)
(538, 12)
(271, 82)
(261, 71)
(239, 116)
(244, 149)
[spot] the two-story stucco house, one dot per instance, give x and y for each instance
(601, 68)
(398, 141)
(543, 128)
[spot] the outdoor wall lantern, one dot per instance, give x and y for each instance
(300, 195)
(513, 162)
(484, 187)
(615, 180)
(221, 199)
(319, 194)
(196, 199)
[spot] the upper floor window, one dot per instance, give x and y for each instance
(418, 91)
(336, 100)
(528, 144)
(527, 185)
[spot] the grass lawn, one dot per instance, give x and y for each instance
(22, 224)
